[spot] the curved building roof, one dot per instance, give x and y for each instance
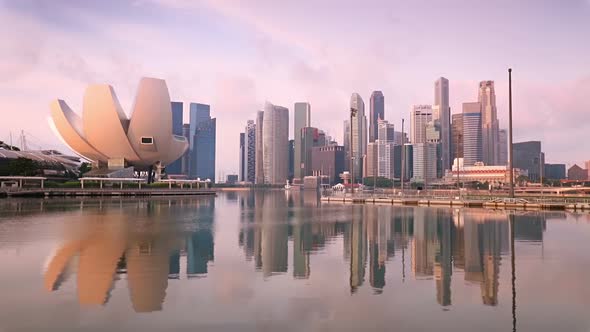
(104, 132)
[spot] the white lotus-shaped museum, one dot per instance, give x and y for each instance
(105, 133)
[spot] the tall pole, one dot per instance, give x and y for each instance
(459, 138)
(510, 132)
(403, 176)
(375, 161)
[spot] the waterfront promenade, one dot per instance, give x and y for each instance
(482, 199)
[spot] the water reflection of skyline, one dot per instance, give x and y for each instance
(148, 243)
(436, 243)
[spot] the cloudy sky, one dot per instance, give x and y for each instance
(235, 55)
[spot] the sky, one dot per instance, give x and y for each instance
(235, 55)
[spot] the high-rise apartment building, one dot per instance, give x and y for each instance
(489, 122)
(419, 117)
(250, 154)
(457, 136)
(358, 132)
(376, 113)
(302, 116)
(202, 142)
(472, 141)
(441, 102)
(275, 142)
(259, 173)
(242, 160)
(587, 163)
(502, 147)
(177, 112)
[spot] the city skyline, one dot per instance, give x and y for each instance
(102, 47)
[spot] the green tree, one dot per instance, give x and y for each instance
(84, 168)
(24, 167)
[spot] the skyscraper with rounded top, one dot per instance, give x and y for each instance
(489, 122)
(358, 135)
(275, 142)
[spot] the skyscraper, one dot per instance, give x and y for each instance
(358, 129)
(529, 156)
(376, 113)
(291, 150)
(489, 122)
(472, 150)
(424, 162)
(502, 147)
(328, 160)
(202, 142)
(385, 159)
(259, 173)
(457, 136)
(176, 166)
(185, 159)
(371, 160)
(346, 144)
(250, 146)
(441, 99)
(385, 132)
(310, 137)
(419, 117)
(275, 141)
(302, 119)
(242, 160)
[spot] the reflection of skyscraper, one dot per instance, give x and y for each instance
(425, 242)
(377, 247)
(442, 265)
(358, 249)
(274, 235)
(486, 238)
(301, 247)
(199, 248)
(200, 244)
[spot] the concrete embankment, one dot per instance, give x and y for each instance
(413, 201)
(69, 192)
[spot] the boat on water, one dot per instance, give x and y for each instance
(288, 186)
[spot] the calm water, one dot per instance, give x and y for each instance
(271, 261)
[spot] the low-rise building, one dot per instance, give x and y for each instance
(577, 173)
(481, 173)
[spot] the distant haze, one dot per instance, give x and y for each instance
(235, 56)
